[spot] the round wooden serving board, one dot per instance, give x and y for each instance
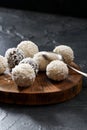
(43, 91)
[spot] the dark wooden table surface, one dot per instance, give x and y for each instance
(47, 31)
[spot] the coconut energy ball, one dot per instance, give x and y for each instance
(14, 56)
(43, 58)
(66, 52)
(57, 70)
(3, 64)
(23, 75)
(28, 47)
(31, 62)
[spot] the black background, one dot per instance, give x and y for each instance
(65, 7)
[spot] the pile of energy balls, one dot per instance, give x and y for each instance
(25, 61)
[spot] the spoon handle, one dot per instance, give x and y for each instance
(80, 72)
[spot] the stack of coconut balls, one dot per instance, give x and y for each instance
(25, 61)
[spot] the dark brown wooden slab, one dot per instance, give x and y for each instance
(43, 91)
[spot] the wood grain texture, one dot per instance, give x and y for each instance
(43, 91)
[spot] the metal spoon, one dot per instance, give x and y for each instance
(78, 71)
(47, 57)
